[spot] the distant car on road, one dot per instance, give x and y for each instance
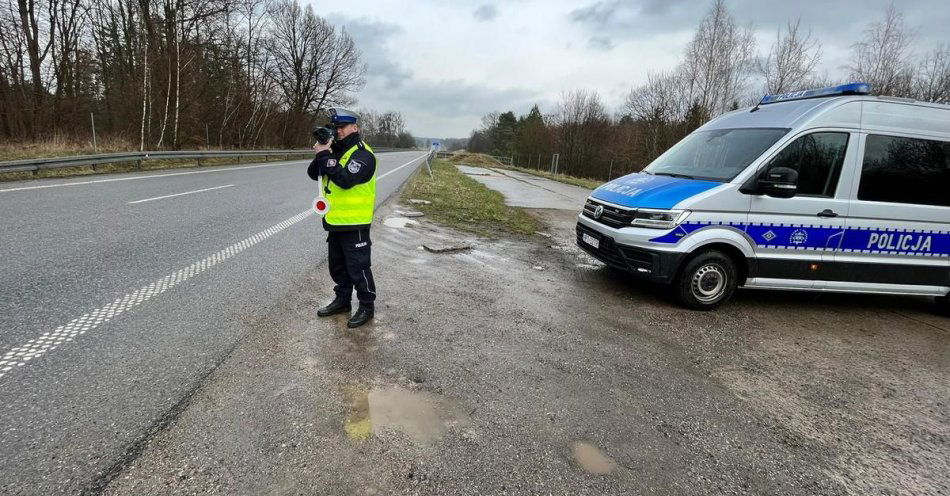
(823, 190)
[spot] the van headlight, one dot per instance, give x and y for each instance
(659, 219)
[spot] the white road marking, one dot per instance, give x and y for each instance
(19, 356)
(37, 347)
(180, 194)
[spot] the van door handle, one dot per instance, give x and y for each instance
(827, 213)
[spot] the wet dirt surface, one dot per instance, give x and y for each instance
(524, 367)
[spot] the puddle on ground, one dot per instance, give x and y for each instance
(357, 425)
(399, 222)
(591, 459)
(423, 417)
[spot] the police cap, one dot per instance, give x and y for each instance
(340, 117)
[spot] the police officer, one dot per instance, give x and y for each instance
(350, 168)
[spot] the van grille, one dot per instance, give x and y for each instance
(612, 216)
(621, 257)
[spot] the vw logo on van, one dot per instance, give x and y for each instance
(598, 211)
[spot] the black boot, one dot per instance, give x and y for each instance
(336, 306)
(363, 315)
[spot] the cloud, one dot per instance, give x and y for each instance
(597, 14)
(434, 107)
(601, 43)
(839, 22)
(458, 97)
(449, 108)
(485, 13)
(636, 19)
(372, 38)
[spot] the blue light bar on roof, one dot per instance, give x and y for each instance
(844, 89)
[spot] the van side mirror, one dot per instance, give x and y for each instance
(778, 182)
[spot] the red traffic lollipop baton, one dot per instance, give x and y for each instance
(320, 204)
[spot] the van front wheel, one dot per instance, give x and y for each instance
(706, 281)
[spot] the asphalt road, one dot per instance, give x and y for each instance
(120, 293)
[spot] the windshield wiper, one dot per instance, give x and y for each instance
(672, 174)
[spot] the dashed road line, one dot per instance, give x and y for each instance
(49, 341)
(179, 194)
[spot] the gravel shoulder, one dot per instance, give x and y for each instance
(521, 366)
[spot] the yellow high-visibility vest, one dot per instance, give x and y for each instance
(353, 206)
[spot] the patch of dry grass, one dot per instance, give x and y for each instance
(466, 204)
(476, 159)
(58, 146)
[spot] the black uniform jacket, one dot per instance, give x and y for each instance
(358, 170)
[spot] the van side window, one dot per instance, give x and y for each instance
(817, 157)
(905, 170)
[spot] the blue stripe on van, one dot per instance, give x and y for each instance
(806, 237)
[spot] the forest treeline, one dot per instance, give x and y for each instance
(721, 70)
(172, 74)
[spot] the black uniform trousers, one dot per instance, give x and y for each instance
(349, 261)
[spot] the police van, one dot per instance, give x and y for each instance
(829, 189)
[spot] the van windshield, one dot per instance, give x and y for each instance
(715, 155)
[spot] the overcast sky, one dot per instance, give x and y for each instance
(445, 63)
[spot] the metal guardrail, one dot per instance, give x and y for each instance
(36, 164)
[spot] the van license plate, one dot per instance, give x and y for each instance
(590, 240)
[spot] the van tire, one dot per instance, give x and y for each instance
(706, 281)
(943, 305)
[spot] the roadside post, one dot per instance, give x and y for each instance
(433, 152)
(95, 146)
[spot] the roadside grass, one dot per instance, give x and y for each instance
(146, 165)
(482, 160)
(465, 204)
(58, 146)
(475, 159)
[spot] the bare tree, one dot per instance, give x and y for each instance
(13, 85)
(259, 71)
(883, 57)
(315, 67)
(718, 61)
(791, 61)
(659, 100)
(37, 22)
(384, 129)
(341, 75)
(932, 80)
(660, 107)
(582, 130)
